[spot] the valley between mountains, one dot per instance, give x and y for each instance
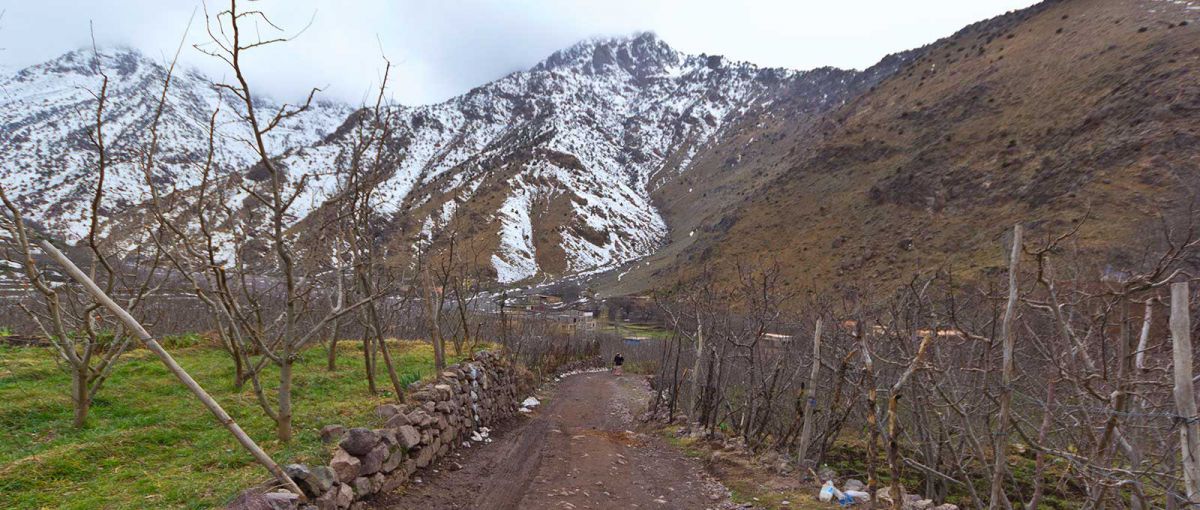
(621, 150)
(623, 276)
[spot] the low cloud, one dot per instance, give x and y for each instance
(442, 49)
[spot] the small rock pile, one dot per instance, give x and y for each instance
(437, 417)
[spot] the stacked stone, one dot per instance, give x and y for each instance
(437, 417)
(579, 365)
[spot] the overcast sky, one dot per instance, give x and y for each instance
(442, 48)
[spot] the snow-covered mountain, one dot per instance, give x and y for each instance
(576, 165)
(48, 162)
(556, 167)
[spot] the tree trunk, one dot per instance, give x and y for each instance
(872, 408)
(810, 397)
(239, 369)
(239, 365)
(333, 340)
(1040, 462)
(369, 362)
(503, 319)
(1185, 395)
(391, 370)
(1144, 337)
(435, 321)
(894, 419)
(893, 453)
(1009, 337)
(284, 425)
(80, 395)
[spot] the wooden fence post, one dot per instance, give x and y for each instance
(998, 499)
(1185, 396)
(810, 397)
(153, 345)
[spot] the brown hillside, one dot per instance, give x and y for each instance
(1031, 117)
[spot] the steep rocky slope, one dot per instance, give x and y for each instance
(48, 160)
(556, 170)
(1036, 116)
(633, 164)
(580, 164)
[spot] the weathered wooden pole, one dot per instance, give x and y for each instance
(1185, 396)
(1144, 337)
(1009, 337)
(697, 368)
(810, 397)
(153, 345)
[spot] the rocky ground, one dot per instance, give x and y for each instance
(577, 450)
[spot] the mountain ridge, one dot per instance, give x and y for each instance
(557, 170)
(47, 114)
(556, 166)
(984, 129)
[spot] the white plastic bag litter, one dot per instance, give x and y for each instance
(859, 496)
(530, 402)
(826, 493)
(829, 493)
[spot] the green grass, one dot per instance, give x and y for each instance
(149, 443)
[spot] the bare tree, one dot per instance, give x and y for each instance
(84, 322)
(84, 336)
(259, 302)
(369, 162)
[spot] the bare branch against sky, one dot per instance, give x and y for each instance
(442, 49)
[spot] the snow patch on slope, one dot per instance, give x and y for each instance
(515, 259)
(48, 163)
(595, 124)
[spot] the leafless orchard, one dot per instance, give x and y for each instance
(1054, 375)
(223, 258)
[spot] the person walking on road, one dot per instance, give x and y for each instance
(618, 362)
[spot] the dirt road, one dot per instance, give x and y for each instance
(577, 451)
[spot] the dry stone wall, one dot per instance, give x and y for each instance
(436, 418)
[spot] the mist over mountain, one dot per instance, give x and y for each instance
(48, 157)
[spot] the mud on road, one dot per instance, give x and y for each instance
(577, 451)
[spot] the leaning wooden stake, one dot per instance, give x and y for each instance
(1009, 337)
(810, 397)
(174, 367)
(1185, 396)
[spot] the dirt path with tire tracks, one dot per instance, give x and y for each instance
(578, 450)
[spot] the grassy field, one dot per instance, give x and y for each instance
(149, 443)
